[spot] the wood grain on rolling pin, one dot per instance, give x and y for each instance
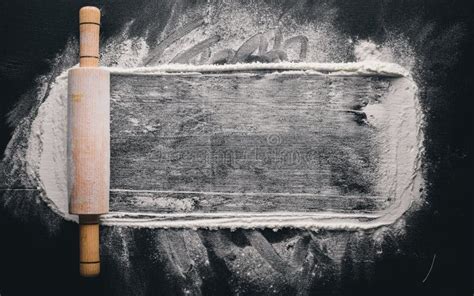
(88, 115)
(251, 143)
(89, 28)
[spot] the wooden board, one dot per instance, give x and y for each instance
(208, 143)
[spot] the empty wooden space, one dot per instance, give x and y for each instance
(254, 142)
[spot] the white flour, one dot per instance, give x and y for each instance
(401, 130)
(365, 68)
(47, 154)
(46, 151)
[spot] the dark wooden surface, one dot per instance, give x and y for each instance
(39, 248)
(244, 142)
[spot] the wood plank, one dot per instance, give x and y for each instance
(244, 142)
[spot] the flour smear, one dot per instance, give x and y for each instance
(328, 52)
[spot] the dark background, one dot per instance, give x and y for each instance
(34, 31)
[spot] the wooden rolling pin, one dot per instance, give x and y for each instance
(89, 141)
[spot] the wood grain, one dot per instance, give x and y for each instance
(89, 257)
(88, 140)
(251, 143)
(89, 27)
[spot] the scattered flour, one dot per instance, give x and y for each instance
(369, 51)
(46, 152)
(367, 68)
(401, 140)
(47, 155)
(47, 146)
(394, 50)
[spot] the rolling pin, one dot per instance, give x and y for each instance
(89, 141)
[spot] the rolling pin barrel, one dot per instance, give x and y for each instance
(89, 141)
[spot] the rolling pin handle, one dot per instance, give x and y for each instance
(89, 257)
(89, 27)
